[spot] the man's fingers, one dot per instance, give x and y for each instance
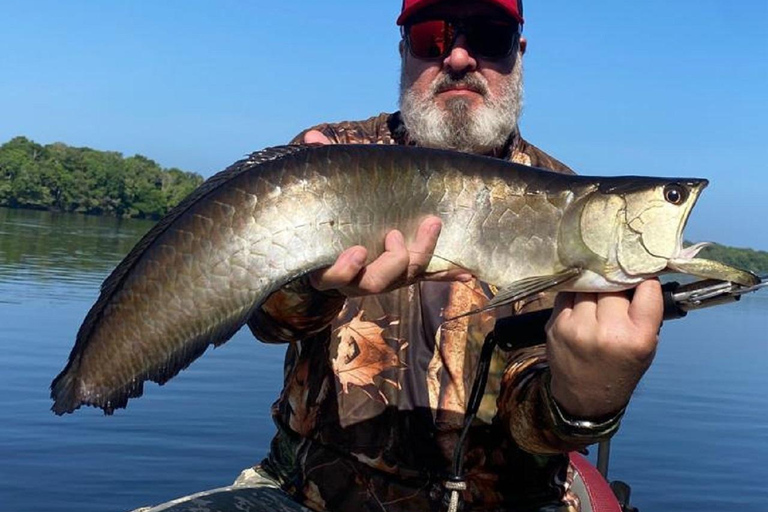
(398, 265)
(563, 302)
(346, 268)
(611, 304)
(562, 310)
(454, 274)
(388, 269)
(585, 305)
(421, 249)
(316, 137)
(647, 306)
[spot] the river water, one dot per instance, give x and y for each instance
(695, 437)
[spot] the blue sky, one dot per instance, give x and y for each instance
(653, 87)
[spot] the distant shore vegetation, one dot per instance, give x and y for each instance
(63, 178)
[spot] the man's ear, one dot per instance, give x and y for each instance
(523, 45)
(401, 48)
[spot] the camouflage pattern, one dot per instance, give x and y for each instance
(376, 387)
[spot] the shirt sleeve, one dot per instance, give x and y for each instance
(375, 130)
(527, 409)
(295, 312)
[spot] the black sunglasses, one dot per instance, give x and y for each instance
(487, 38)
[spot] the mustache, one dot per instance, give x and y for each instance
(473, 82)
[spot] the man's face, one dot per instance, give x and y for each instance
(462, 101)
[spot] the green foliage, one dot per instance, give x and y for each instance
(63, 178)
(748, 259)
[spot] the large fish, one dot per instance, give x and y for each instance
(196, 276)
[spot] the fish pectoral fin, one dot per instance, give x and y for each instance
(711, 269)
(530, 286)
(525, 288)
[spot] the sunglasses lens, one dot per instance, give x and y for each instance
(492, 40)
(433, 39)
(429, 39)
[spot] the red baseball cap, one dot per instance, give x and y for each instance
(410, 7)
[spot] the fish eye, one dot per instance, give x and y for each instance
(675, 193)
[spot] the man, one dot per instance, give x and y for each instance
(377, 382)
(374, 403)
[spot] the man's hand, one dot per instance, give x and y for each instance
(397, 266)
(315, 137)
(600, 345)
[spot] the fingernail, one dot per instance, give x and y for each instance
(358, 257)
(435, 229)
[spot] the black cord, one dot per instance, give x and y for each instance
(455, 480)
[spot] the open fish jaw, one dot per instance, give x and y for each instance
(688, 263)
(687, 253)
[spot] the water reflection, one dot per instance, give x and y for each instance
(58, 250)
(59, 243)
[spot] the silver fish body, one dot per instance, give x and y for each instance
(198, 275)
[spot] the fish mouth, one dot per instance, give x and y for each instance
(690, 252)
(686, 262)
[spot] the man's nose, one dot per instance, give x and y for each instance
(460, 59)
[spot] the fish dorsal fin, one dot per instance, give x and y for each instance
(525, 288)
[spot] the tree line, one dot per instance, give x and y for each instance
(69, 179)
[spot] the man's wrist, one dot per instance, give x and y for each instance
(569, 426)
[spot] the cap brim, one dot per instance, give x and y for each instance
(413, 9)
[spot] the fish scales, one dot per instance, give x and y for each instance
(197, 276)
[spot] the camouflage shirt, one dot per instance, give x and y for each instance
(376, 389)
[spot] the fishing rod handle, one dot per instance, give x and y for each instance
(528, 329)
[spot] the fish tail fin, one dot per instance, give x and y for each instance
(68, 397)
(63, 393)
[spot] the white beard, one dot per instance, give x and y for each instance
(457, 127)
